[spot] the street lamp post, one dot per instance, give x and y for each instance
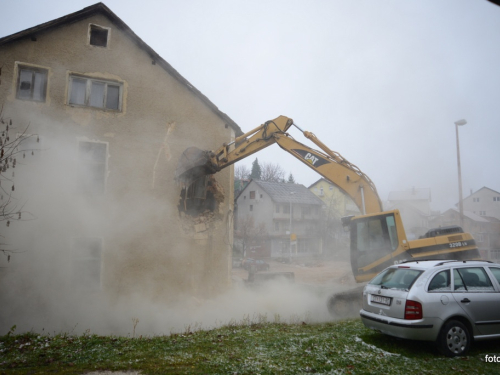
(460, 201)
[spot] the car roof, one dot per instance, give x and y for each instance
(432, 263)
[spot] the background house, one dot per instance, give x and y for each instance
(483, 202)
(112, 118)
(414, 206)
(336, 205)
(279, 206)
(336, 202)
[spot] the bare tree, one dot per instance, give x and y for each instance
(241, 172)
(272, 172)
(249, 234)
(10, 151)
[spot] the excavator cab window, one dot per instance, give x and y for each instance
(373, 238)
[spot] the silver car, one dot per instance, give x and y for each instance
(449, 302)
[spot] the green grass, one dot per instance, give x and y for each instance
(344, 347)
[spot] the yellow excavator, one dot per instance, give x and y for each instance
(378, 238)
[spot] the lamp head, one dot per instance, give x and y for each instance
(460, 122)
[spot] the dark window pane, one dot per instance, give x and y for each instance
(97, 94)
(25, 80)
(92, 167)
(113, 96)
(93, 152)
(39, 86)
(78, 89)
(98, 36)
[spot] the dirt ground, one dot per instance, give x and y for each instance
(313, 272)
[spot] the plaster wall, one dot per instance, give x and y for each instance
(263, 208)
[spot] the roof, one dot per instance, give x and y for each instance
(477, 191)
(318, 181)
(410, 195)
(471, 215)
(283, 192)
(100, 8)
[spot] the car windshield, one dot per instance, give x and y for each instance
(396, 278)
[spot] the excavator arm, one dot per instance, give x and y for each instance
(329, 164)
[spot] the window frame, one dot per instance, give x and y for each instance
(88, 92)
(461, 271)
(82, 257)
(441, 290)
(34, 69)
(81, 167)
(93, 26)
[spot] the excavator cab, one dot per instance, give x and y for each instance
(376, 242)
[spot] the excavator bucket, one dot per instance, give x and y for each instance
(193, 164)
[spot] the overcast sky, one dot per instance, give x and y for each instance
(379, 81)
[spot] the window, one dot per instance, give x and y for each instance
(31, 84)
(482, 213)
(396, 278)
(90, 92)
(98, 36)
(261, 196)
(321, 193)
(277, 208)
(496, 199)
(472, 280)
(475, 199)
(440, 282)
(276, 226)
(286, 209)
(251, 207)
(87, 262)
(496, 273)
(378, 233)
(252, 195)
(92, 158)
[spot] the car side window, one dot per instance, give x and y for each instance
(475, 279)
(440, 282)
(496, 273)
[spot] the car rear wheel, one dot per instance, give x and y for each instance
(454, 339)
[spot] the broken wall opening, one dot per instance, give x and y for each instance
(200, 204)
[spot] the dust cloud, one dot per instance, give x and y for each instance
(46, 310)
(134, 286)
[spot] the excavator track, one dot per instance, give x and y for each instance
(346, 304)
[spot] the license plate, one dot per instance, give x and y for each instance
(382, 300)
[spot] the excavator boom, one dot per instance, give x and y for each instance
(196, 163)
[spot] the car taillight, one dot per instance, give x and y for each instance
(413, 310)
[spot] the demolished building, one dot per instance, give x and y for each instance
(111, 118)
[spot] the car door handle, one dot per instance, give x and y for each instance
(465, 300)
